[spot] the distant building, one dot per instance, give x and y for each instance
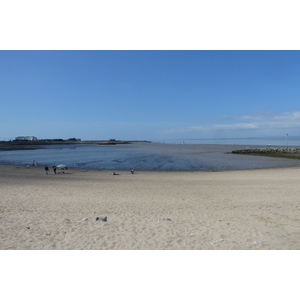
(26, 138)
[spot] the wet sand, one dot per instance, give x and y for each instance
(242, 209)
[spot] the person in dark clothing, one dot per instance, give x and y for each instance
(46, 169)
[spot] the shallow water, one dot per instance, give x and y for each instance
(145, 156)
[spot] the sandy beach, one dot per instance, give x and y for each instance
(243, 209)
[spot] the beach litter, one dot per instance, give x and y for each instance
(104, 219)
(214, 242)
(257, 242)
(164, 219)
(28, 227)
(85, 219)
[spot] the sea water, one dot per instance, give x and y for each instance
(269, 142)
(156, 156)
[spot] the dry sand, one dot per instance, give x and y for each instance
(248, 209)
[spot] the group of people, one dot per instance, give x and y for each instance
(54, 170)
(47, 169)
(131, 171)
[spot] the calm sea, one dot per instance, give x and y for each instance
(240, 141)
(167, 155)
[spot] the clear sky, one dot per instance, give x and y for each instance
(149, 94)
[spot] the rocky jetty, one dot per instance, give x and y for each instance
(268, 151)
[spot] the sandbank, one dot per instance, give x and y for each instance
(244, 209)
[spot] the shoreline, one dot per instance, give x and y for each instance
(254, 209)
(21, 145)
(150, 171)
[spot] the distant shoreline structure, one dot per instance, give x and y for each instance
(18, 144)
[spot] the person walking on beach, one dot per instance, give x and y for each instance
(46, 169)
(54, 169)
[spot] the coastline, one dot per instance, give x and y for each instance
(145, 156)
(200, 210)
(23, 145)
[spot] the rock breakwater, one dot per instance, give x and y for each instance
(268, 151)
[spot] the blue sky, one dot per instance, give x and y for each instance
(149, 94)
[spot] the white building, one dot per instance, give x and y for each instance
(26, 138)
